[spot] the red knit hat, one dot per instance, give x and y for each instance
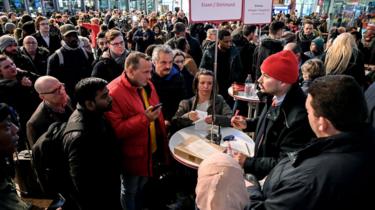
(282, 66)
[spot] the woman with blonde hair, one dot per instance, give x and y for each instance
(343, 57)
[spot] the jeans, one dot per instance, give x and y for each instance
(132, 191)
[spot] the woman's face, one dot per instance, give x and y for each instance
(179, 61)
(156, 30)
(205, 85)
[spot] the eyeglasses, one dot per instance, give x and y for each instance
(56, 90)
(117, 44)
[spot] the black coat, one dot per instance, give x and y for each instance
(42, 118)
(107, 69)
(54, 42)
(287, 129)
(335, 172)
(93, 161)
(39, 63)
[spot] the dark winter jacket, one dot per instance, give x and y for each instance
(93, 160)
(286, 129)
(334, 172)
(39, 63)
(107, 68)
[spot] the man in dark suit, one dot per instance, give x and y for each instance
(44, 37)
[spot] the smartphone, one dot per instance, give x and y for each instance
(57, 202)
(157, 106)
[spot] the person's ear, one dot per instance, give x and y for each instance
(323, 124)
(90, 105)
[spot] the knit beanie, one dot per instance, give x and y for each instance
(9, 27)
(319, 42)
(6, 41)
(282, 66)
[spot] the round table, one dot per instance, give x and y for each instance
(242, 142)
(253, 101)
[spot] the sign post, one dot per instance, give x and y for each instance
(257, 11)
(215, 11)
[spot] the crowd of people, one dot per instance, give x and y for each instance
(107, 72)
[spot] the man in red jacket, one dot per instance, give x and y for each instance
(138, 126)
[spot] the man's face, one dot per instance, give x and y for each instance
(268, 84)
(44, 26)
(30, 44)
(117, 46)
(8, 136)
(103, 101)
(226, 43)
(164, 65)
(11, 49)
(71, 40)
(8, 69)
(308, 29)
(144, 23)
(54, 93)
(313, 120)
(142, 75)
(102, 43)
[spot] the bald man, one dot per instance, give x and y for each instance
(37, 55)
(55, 107)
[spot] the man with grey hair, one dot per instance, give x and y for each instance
(169, 82)
(37, 55)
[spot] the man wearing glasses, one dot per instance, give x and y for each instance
(44, 37)
(111, 63)
(55, 107)
(37, 55)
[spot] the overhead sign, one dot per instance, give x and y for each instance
(215, 10)
(257, 11)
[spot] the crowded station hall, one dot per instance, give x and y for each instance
(177, 105)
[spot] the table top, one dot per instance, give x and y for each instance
(242, 142)
(242, 97)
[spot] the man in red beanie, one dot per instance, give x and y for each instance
(282, 126)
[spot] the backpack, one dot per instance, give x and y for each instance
(48, 157)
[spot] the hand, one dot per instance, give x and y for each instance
(240, 158)
(26, 82)
(238, 122)
(193, 116)
(152, 115)
(208, 119)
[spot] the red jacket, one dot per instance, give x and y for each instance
(95, 28)
(131, 126)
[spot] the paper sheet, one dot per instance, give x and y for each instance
(202, 148)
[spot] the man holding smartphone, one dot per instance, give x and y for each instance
(139, 126)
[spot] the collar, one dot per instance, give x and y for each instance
(279, 99)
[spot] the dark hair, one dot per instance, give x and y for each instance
(87, 88)
(223, 33)
(196, 78)
(340, 99)
(101, 35)
(275, 26)
(181, 43)
(248, 29)
(357, 35)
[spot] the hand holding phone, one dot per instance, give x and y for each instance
(157, 106)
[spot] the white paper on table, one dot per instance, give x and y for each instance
(240, 146)
(201, 148)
